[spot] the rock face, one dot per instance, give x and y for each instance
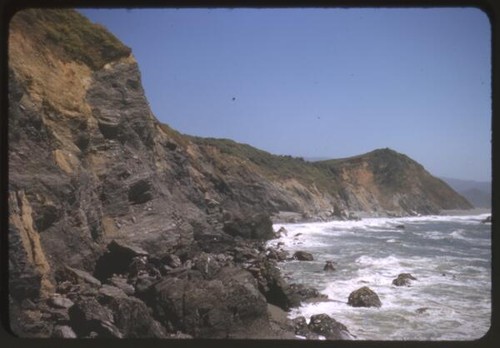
(364, 297)
(106, 203)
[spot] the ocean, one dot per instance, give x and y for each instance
(449, 255)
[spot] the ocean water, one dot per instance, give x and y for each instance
(449, 255)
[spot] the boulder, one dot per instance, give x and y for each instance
(364, 297)
(403, 279)
(118, 260)
(281, 232)
(257, 226)
(209, 308)
(329, 266)
(303, 256)
(77, 276)
(278, 255)
(300, 327)
(301, 292)
(328, 327)
(133, 318)
(88, 315)
(58, 301)
(400, 227)
(63, 331)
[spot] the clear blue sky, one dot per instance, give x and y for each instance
(321, 82)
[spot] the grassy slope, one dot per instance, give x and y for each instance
(73, 36)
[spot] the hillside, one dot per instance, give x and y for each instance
(125, 217)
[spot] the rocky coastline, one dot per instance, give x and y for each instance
(226, 287)
(120, 226)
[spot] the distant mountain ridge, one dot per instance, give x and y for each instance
(477, 192)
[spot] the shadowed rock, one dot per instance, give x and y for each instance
(303, 256)
(324, 325)
(364, 297)
(403, 279)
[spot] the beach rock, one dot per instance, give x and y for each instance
(258, 226)
(281, 232)
(400, 227)
(303, 256)
(58, 301)
(278, 255)
(328, 327)
(209, 308)
(301, 292)
(133, 318)
(120, 258)
(403, 279)
(88, 316)
(329, 266)
(63, 331)
(78, 276)
(300, 326)
(487, 220)
(364, 297)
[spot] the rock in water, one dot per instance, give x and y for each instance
(303, 256)
(329, 266)
(404, 279)
(330, 328)
(364, 297)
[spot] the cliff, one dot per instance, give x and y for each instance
(96, 183)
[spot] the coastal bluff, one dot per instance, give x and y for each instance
(115, 218)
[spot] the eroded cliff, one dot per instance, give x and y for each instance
(89, 166)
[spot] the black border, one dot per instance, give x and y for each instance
(9, 7)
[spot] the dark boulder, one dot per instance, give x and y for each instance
(63, 331)
(257, 226)
(208, 308)
(281, 232)
(328, 327)
(329, 266)
(300, 327)
(301, 292)
(117, 259)
(403, 279)
(278, 255)
(400, 227)
(140, 191)
(134, 319)
(364, 297)
(88, 315)
(303, 256)
(271, 283)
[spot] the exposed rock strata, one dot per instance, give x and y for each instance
(116, 219)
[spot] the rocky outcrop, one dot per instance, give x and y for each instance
(403, 279)
(116, 219)
(364, 297)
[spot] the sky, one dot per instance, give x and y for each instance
(321, 83)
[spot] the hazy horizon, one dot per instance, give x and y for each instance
(327, 83)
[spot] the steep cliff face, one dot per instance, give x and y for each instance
(89, 163)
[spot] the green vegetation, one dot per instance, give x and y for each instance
(74, 36)
(274, 167)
